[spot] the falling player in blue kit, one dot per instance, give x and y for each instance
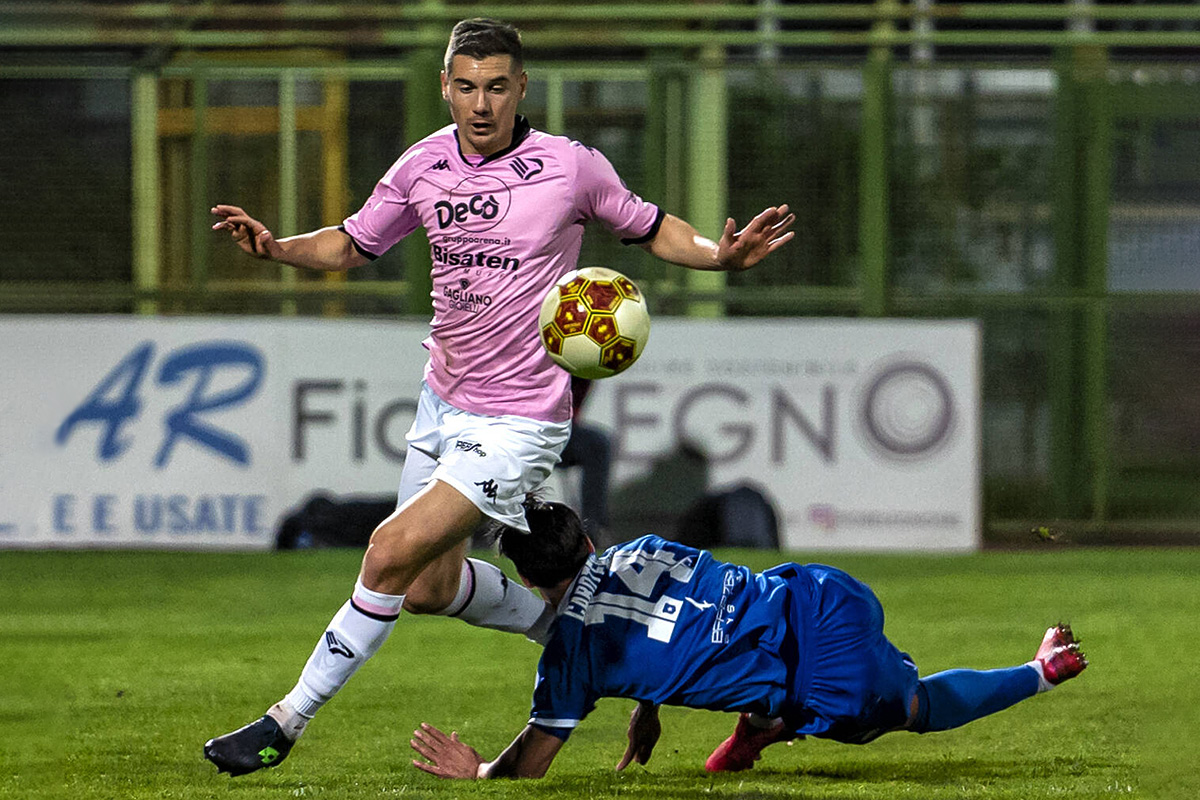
(797, 650)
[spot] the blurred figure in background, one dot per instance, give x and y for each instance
(590, 449)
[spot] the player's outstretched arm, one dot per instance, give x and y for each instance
(326, 249)
(644, 730)
(678, 242)
(529, 755)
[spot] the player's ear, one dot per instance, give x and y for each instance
(538, 590)
(522, 82)
(445, 86)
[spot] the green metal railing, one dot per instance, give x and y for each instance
(705, 166)
(63, 25)
(684, 54)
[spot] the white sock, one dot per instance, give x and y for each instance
(357, 630)
(1043, 684)
(291, 721)
(488, 599)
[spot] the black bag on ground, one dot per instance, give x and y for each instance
(325, 521)
(739, 517)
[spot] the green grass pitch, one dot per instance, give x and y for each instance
(116, 667)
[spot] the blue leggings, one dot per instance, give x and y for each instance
(958, 696)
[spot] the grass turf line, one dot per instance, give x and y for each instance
(116, 667)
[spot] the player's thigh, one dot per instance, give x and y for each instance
(881, 694)
(859, 679)
(425, 527)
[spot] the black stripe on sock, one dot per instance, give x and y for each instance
(470, 596)
(372, 614)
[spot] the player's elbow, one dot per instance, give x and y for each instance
(341, 252)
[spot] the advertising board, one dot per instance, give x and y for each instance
(204, 432)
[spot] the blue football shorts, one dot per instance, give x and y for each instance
(859, 684)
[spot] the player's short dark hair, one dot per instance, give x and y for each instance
(555, 547)
(481, 37)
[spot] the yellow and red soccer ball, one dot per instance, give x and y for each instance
(594, 322)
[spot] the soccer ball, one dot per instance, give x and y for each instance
(594, 322)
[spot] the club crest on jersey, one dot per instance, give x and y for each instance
(527, 168)
(476, 204)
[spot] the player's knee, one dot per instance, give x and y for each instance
(404, 558)
(394, 558)
(918, 710)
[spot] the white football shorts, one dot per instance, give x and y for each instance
(492, 461)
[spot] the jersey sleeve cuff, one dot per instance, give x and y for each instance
(367, 255)
(650, 234)
(558, 728)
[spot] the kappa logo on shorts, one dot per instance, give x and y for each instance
(470, 447)
(489, 488)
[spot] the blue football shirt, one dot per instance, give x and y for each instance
(658, 621)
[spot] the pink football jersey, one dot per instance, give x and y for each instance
(502, 230)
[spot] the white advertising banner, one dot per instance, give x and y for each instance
(205, 432)
(864, 434)
(194, 432)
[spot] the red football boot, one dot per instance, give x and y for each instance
(1060, 655)
(740, 751)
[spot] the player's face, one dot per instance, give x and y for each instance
(483, 96)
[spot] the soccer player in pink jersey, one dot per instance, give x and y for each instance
(504, 207)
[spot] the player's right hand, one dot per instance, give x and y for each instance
(248, 233)
(445, 756)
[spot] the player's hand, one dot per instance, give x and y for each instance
(765, 234)
(248, 233)
(644, 730)
(445, 756)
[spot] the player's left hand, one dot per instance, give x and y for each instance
(644, 730)
(446, 756)
(765, 234)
